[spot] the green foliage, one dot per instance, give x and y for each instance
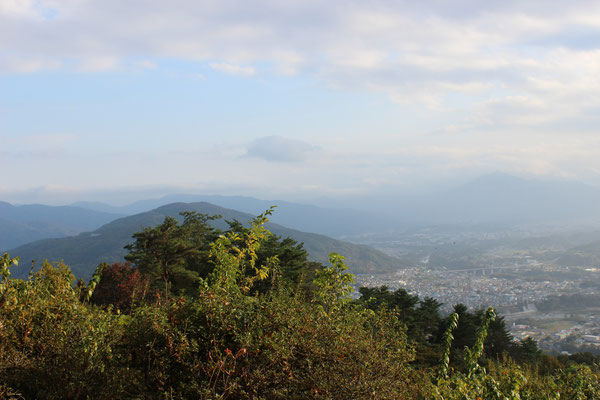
(476, 383)
(497, 339)
(53, 346)
(180, 256)
(91, 286)
(333, 284)
(473, 354)
(234, 337)
(421, 317)
(294, 267)
(232, 343)
(275, 346)
(176, 254)
(527, 351)
(577, 382)
(505, 380)
(235, 256)
(447, 345)
(5, 263)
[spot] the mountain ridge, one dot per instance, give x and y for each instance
(335, 222)
(86, 250)
(21, 224)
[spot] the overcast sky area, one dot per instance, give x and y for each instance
(293, 99)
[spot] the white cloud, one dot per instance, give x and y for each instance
(98, 64)
(19, 65)
(279, 149)
(146, 64)
(197, 76)
(414, 51)
(526, 72)
(232, 69)
(18, 8)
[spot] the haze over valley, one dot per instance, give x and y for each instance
(499, 239)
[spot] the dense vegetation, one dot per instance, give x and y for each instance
(241, 314)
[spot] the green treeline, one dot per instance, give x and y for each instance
(197, 313)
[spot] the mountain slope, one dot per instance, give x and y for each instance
(85, 251)
(336, 222)
(27, 223)
(496, 198)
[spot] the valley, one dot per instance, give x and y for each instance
(546, 286)
(528, 271)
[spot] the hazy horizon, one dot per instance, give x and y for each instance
(124, 196)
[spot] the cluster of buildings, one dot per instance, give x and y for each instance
(475, 288)
(514, 291)
(583, 336)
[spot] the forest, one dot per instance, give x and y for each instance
(197, 312)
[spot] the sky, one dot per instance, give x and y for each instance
(289, 99)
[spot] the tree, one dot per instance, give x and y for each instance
(499, 339)
(400, 300)
(120, 285)
(333, 284)
(527, 351)
(173, 253)
(428, 317)
(422, 322)
(295, 268)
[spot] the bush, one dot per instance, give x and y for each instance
(51, 345)
(231, 341)
(120, 286)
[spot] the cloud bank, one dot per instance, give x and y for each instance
(520, 79)
(542, 54)
(279, 149)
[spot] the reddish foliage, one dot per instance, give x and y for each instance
(122, 286)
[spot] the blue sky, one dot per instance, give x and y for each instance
(292, 99)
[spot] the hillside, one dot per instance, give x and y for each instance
(498, 199)
(334, 221)
(27, 223)
(85, 251)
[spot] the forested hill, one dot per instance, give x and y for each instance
(335, 222)
(85, 251)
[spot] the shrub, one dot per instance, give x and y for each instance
(120, 286)
(51, 345)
